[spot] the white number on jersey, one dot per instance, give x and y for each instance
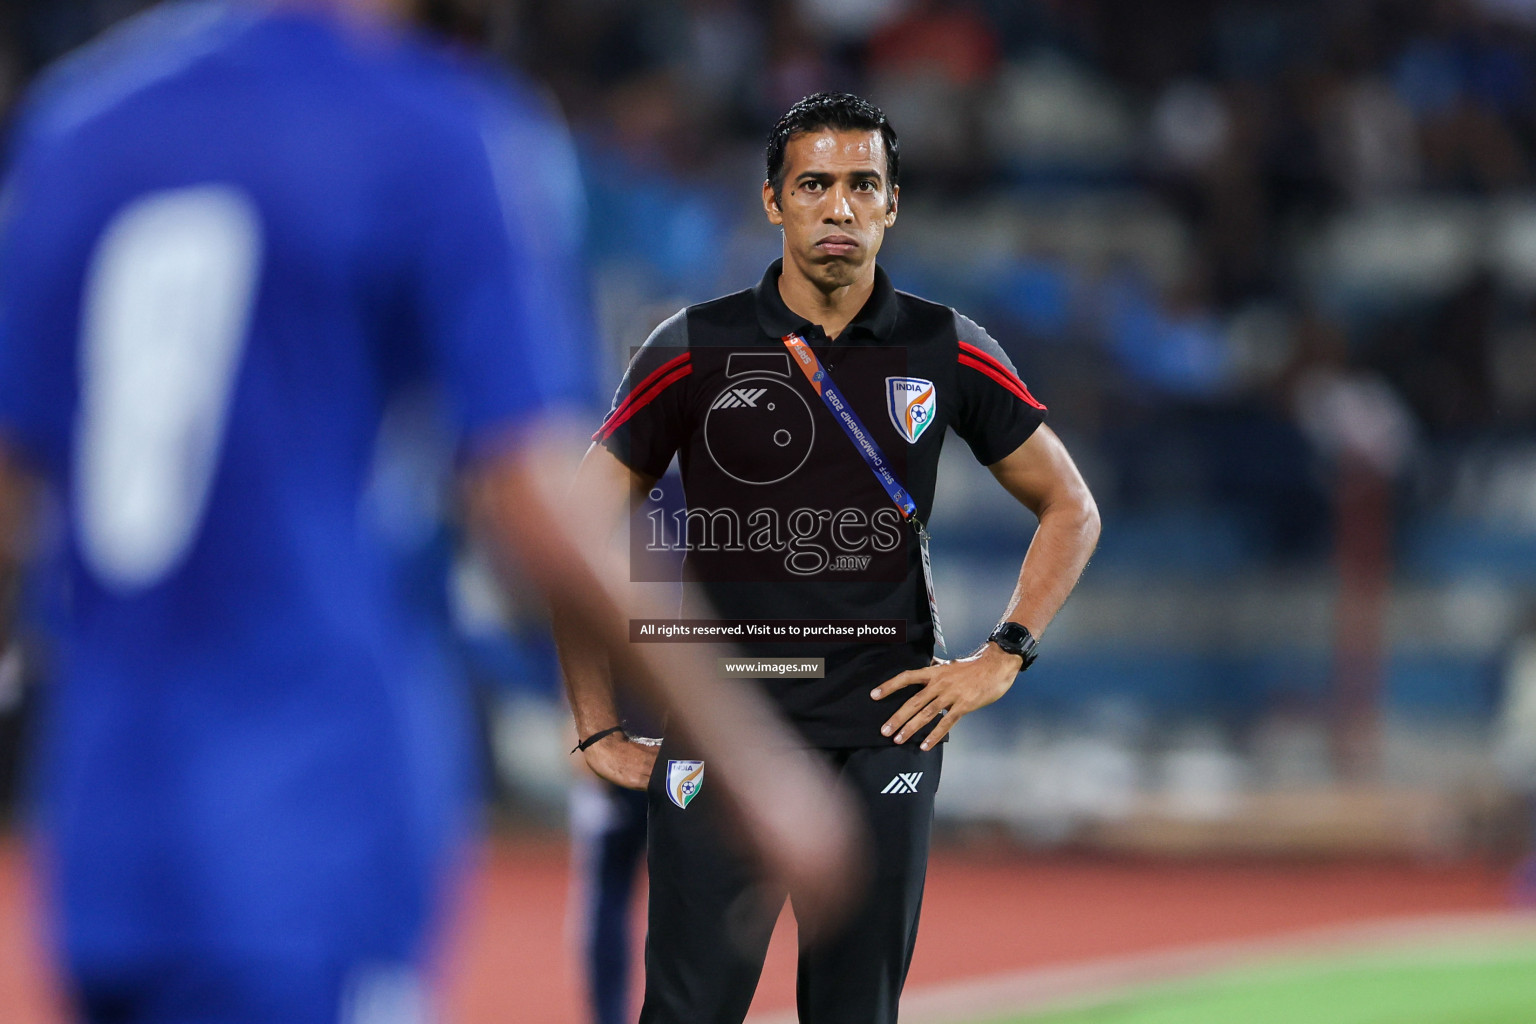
(167, 306)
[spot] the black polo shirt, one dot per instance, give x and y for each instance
(785, 519)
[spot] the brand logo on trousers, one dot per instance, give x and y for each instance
(906, 782)
(737, 398)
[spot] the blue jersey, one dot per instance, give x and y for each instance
(229, 236)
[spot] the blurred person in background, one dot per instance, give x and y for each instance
(230, 233)
(733, 388)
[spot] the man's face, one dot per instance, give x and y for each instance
(835, 204)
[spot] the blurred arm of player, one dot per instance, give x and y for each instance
(789, 809)
(607, 485)
(1042, 476)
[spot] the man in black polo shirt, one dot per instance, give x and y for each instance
(807, 414)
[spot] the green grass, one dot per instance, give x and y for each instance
(1485, 983)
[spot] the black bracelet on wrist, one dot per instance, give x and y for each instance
(595, 737)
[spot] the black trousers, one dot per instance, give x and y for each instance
(710, 919)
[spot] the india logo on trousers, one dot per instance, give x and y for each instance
(684, 780)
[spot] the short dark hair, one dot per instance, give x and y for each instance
(840, 111)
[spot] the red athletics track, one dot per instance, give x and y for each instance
(985, 913)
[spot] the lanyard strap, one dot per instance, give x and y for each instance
(864, 443)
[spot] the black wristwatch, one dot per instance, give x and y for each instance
(1013, 638)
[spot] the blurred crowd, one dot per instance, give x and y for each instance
(1273, 230)
(1234, 241)
(1259, 256)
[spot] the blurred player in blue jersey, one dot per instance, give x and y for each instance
(230, 234)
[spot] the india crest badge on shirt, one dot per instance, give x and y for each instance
(911, 403)
(684, 780)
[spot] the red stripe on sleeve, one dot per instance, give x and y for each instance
(991, 360)
(637, 401)
(622, 409)
(985, 357)
(1013, 384)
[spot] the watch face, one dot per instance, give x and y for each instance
(1015, 639)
